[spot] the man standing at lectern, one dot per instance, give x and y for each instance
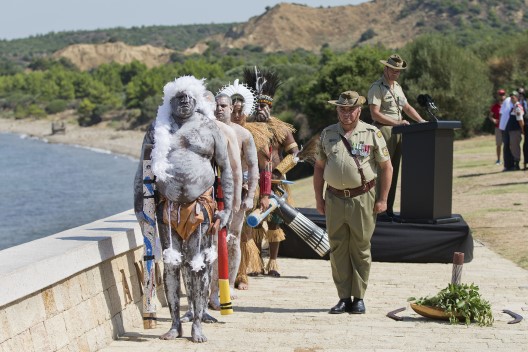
(387, 104)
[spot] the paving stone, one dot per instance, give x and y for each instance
(291, 313)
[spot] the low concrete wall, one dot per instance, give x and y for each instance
(76, 290)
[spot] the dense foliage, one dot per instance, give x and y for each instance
(455, 77)
(461, 79)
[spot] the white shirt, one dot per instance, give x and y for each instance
(505, 113)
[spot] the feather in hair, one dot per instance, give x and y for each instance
(195, 88)
(265, 82)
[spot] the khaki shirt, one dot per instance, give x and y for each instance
(391, 104)
(341, 170)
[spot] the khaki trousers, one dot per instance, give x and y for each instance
(350, 224)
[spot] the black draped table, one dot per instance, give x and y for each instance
(396, 241)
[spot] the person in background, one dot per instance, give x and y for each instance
(515, 128)
(387, 104)
(507, 157)
(276, 156)
(524, 104)
(249, 162)
(243, 102)
(352, 158)
(494, 116)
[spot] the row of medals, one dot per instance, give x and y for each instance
(360, 149)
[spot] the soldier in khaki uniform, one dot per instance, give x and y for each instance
(351, 157)
(387, 104)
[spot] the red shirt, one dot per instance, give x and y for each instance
(495, 110)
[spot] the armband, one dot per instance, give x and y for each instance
(290, 147)
(265, 183)
(286, 164)
(265, 180)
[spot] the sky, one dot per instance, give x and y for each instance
(24, 18)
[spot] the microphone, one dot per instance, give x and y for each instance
(427, 102)
(422, 100)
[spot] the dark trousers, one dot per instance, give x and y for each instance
(525, 145)
(507, 155)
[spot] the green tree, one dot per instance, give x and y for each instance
(56, 106)
(8, 67)
(131, 70)
(353, 70)
(85, 111)
(149, 83)
(201, 68)
(63, 79)
(110, 76)
(149, 109)
(455, 78)
(40, 86)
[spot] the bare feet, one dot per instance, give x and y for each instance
(242, 286)
(173, 333)
(208, 319)
(196, 333)
(273, 273)
(187, 317)
(214, 302)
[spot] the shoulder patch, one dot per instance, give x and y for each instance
(385, 151)
(379, 134)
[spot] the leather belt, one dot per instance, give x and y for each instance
(379, 124)
(351, 192)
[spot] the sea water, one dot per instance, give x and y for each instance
(47, 188)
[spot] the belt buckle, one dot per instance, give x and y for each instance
(346, 193)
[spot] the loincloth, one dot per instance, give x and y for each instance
(186, 217)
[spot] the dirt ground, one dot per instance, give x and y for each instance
(493, 203)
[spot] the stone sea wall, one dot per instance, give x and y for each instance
(76, 290)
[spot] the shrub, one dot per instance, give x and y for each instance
(56, 106)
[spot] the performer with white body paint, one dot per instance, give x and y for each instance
(186, 143)
(249, 162)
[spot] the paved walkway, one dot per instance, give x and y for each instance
(291, 313)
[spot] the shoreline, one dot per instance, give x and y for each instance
(99, 138)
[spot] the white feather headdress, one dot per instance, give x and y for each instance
(245, 92)
(195, 88)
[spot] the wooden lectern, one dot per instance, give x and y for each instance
(427, 171)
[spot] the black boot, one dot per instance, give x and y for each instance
(358, 306)
(344, 305)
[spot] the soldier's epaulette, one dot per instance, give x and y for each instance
(332, 128)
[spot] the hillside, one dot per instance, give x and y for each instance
(172, 37)
(391, 23)
(284, 27)
(89, 56)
